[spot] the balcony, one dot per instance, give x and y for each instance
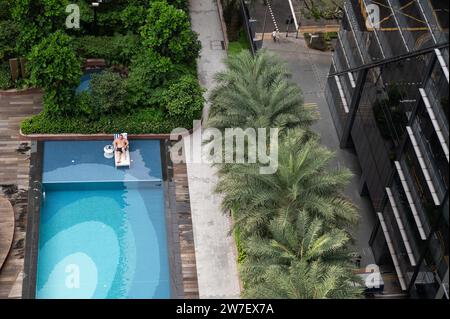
(427, 163)
(410, 189)
(437, 117)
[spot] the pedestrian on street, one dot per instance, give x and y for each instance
(274, 35)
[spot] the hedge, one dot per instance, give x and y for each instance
(143, 121)
(118, 49)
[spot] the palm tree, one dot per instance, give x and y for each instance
(303, 280)
(303, 184)
(308, 239)
(255, 92)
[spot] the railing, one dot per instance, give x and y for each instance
(431, 169)
(423, 219)
(433, 94)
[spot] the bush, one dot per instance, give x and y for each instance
(183, 98)
(53, 63)
(108, 94)
(118, 49)
(148, 71)
(5, 10)
(8, 34)
(168, 32)
(54, 66)
(5, 77)
(36, 20)
(133, 17)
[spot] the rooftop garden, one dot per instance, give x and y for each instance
(147, 85)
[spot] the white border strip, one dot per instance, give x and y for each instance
(436, 125)
(341, 93)
(400, 30)
(374, 30)
(354, 33)
(401, 227)
(442, 63)
(392, 251)
(426, 21)
(423, 166)
(412, 205)
(350, 74)
(293, 15)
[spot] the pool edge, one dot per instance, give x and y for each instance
(32, 228)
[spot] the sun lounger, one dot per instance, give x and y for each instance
(124, 158)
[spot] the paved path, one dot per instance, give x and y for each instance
(214, 248)
(310, 69)
(14, 169)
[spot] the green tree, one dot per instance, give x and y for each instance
(183, 98)
(148, 71)
(108, 94)
(324, 9)
(306, 280)
(302, 184)
(307, 238)
(8, 34)
(54, 66)
(168, 32)
(285, 243)
(37, 19)
(256, 92)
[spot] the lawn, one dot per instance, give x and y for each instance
(235, 47)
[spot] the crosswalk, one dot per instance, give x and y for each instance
(272, 16)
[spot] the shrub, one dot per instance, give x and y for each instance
(139, 122)
(84, 103)
(8, 34)
(108, 94)
(5, 77)
(118, 49)
(133, 17)
(183, 98)
(5, 10)
(148, 71)
(53, 63)
(54, 66)
(36, 20)
(168, 32)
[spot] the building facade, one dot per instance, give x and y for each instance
(388, 94)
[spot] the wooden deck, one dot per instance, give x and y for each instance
(185, 231)
(6, 228)
(14, 174)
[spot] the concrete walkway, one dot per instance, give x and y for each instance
(214, 248)
(310, 69)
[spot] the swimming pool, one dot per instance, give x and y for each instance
(102, 231)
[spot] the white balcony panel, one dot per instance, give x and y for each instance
(435, 123)
(394, 257)
(401, 227)
(411, 203)
(423, 166)
(341, 93)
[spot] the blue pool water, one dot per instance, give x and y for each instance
(85, 81)
(102, 230)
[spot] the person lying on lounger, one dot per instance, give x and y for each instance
(120, 146)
